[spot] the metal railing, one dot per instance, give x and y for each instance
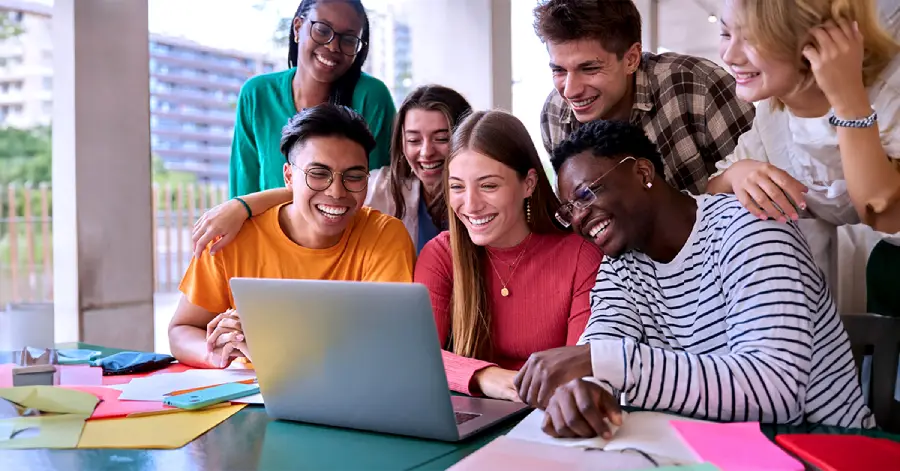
(26, 236)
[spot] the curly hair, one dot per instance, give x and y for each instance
(608, 139)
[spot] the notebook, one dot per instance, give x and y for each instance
(644, 431)
(843, 452)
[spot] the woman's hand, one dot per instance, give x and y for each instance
(766, 190)
(497, 383)
(221, 223)
(835, 56)
(225, 339)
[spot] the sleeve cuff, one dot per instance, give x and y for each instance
(610, 360)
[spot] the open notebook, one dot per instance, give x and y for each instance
(647, 432)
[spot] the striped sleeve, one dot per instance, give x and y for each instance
(765, 269)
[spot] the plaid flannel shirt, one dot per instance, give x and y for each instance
(685, 104)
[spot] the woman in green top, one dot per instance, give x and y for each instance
(328, 46)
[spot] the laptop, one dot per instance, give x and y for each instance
(358, 355)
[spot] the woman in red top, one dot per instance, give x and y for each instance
(507, 280)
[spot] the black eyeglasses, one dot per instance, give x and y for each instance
(323, 34)
(585, 195)
(319, 179)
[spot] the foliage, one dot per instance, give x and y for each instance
(8, 27)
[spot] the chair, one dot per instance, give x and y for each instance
(882, 295)
(878, 336)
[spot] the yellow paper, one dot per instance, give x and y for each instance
(52, 431)
(156, 431)
(52, 399)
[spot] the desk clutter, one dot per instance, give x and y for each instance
(117, 403)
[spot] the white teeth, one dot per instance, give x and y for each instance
(325, 61)
(481, 221)
(596, 230)
(579, 104)
(745, 76)
(332, 210)
(431, 165)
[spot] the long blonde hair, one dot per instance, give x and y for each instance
(781, 28)
(502, 137)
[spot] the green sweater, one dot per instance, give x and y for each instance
(265, 105)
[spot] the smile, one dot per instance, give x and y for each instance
(582, 103)
(332, 212)
(431, 165)
(480, 221)
(599, 228)
(325, 62)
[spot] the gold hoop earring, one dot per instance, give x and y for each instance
(528, 210)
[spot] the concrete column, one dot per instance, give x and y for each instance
(102, 221)
(465, 45)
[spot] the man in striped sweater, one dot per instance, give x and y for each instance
(699, 309)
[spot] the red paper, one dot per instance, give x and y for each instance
(110, 406)
(843, 452)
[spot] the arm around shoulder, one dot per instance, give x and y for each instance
(391, 252)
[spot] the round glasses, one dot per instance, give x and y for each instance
(323, 34)
(585, 195)
(319, 179)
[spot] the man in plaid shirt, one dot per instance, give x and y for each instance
(685, 104)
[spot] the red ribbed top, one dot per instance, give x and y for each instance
(548, 304)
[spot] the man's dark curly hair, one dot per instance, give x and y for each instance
(611, 140)
(615, 23)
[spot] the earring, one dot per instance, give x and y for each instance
(528, 210)
(649, 184)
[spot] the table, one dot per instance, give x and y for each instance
(250, 440)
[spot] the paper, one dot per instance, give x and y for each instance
(255, 399)
(110, 406)
(163, 431)
(51, 399)
(736, 446)
(155, 387)
(510, 453)
(646, 431)
(687, 467)
(52, 431)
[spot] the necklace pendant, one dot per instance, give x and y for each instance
(504, 292)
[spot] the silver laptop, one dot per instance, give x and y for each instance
(356, 355)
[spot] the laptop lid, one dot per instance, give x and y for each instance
(348, 354)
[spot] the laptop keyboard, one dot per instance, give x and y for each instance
(463, 417)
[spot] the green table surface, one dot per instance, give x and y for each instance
(250, 440)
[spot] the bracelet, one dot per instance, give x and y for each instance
(246, 206)
(866, 122)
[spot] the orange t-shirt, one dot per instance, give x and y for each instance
(374, 247)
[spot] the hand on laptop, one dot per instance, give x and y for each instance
(581, 409)
(497, 383)
(225, 339)
(545, 371)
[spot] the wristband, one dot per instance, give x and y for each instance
(246, 206)
(866, 122)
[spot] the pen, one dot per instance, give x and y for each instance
(185, 391)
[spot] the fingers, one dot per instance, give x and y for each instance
(220, 244)
(574, 414)
(226, 325)
(556, 425)
(225, 358)
(211, 326)
(783, 207)
(762, 200)
(203, 240)
(791, 187)
(523, 382)
(594, 413)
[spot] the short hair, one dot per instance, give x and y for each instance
(326, 120)
(608, 139)
(616, 24)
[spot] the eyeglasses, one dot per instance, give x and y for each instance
(323, 34)
(320, 179)
(585, 195)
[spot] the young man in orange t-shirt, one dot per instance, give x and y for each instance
(323, 234)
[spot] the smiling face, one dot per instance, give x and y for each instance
(328, 212)
(488, 197)
(426, 145)
(592, 80)
(618, 219)
(758, 75)
(327, 63)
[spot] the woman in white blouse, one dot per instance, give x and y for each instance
(825, 141)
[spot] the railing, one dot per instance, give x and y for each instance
(26, 237)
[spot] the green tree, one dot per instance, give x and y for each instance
(8, 27)
(25, 155)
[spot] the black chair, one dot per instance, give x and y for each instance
(882, 272)
(879, 337)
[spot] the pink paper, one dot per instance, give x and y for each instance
(66, 375)
(739, 446)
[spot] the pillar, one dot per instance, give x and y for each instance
(465, 45)
(102, 213)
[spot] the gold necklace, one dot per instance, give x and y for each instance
(505, 291)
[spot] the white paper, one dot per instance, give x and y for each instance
(254, 399)
(649, 432)
(155, 387)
